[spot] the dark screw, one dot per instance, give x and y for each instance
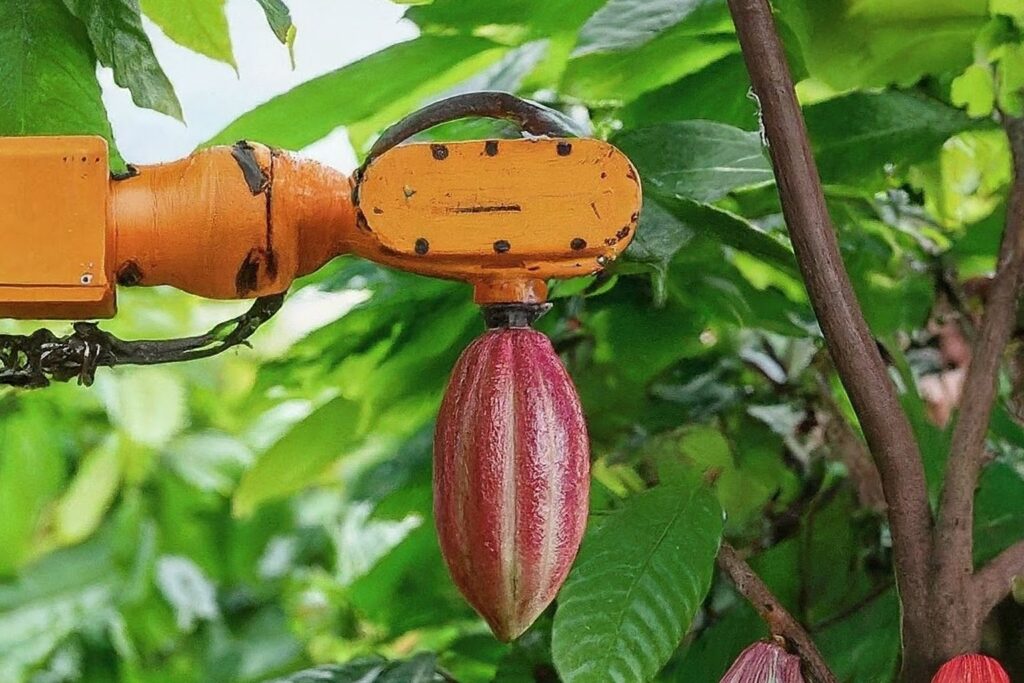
(422, 246)
(501, 246)
(439, 151)
(578, 243)
(564, 149)
(491, 148)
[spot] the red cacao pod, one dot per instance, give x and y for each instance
(764, 662)
(971, 669)
(511, 476)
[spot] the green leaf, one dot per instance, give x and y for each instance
(856, 136)
(718, 92)
(700, 160)
(48, 70)
(872, 43)
(730, 229)
(865, 647)
(615, 77)
(511, 22)
(974, 90)
(636, 586)
(82, 507)
(199, 25)
(627, 24)
(115, 29)
(31, 472)
(300, 457)
(999, 516)
(68, 590)
(659, 236)
(280, 20)
(381, 88)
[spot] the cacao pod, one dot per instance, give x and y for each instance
(511, 476)
(971, 668)
(764, 662)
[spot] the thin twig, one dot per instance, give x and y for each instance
(854, 352)
(954, 530)
(994, 581)
(780, 622)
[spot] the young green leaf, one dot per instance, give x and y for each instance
(199, 25)
(637, 584)
(115, 29)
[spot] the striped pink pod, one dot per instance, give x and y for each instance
(971, 668)
(511, 476)
(764, 662)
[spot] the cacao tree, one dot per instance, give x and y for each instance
(803, 451)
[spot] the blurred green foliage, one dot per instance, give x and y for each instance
(266, 515)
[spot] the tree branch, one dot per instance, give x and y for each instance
(780, 622)
(853, 350)
(994, 581)
(954, 532)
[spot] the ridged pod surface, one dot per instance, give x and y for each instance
(765, 662)
(511, 476)
(971, 668)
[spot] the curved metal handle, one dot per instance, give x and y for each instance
(531, 117)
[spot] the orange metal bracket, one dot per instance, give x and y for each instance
(245, 221)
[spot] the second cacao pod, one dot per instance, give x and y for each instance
(765, 662)
(511, 476)
(971, 668)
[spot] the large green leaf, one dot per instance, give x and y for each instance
(385, 85)
(199, 25)
(870, 43)
(616, 77)
(626, 24)
(300, 457)
(48, 70)
(115, 29)
(863, 137)
(637, 584)
(700, 160)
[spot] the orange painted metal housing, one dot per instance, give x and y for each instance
(245, 221)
